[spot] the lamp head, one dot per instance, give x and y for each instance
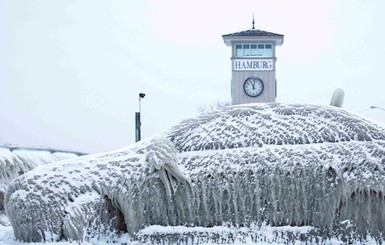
(141, 95)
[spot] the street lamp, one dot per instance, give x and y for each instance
(137, 120)
(376, 107)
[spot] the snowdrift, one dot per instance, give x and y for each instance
(16, 160)
(241, 167)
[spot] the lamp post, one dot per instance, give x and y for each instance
(137, 120)
(376, 107)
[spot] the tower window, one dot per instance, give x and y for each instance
(246, 49)
(238, 50)
(254, 50)
(268, 50)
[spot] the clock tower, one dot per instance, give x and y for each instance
(253, 65)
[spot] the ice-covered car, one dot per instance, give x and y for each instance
(240, 168)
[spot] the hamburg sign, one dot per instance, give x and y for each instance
(253, 65)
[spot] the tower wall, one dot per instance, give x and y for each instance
(252, 62)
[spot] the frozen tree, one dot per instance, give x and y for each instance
(242, 166)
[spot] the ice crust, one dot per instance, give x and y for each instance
(244, 166)
(16, 160)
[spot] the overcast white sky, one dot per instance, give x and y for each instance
(71, 70)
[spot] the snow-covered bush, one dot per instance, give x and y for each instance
(240, 166)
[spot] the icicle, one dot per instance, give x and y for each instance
(161, 156)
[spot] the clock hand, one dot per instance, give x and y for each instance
(253, 83)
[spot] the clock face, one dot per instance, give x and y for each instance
(253, 86)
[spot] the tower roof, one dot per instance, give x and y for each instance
(251, 34)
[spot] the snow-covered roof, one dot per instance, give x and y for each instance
(252, 34)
